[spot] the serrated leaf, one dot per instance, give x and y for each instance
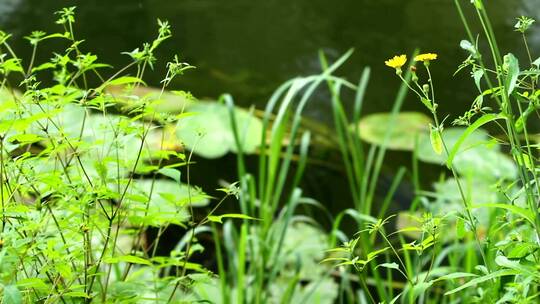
(44, 66)
(120, 81)
(503, 261)
(520, 250)
(25, 138)
(525, 213)
(477, 75)
(512, 64)
(11, 65)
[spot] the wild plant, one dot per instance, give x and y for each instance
(494, 244)
(84, 173)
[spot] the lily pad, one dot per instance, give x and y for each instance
(161, 102)
(208, 131)
(478, 155)
(167, 205)
(406, 127)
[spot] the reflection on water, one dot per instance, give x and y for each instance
(248, 48)
(7, 8)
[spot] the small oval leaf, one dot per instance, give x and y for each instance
(436, 140)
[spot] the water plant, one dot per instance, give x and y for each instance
(494, 240)
(96, 176)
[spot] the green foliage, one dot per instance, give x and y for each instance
(92, 160)
(473, 238)
(81, 185)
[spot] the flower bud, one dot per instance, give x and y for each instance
(425, 88)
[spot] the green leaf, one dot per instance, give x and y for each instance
(525, 161)
(454, 275)
(77, 294)
(436, 140)
(25, 138)
(127, 258)
(525, 213)
(478, 4)
(537, 62)
(427, 103)
(477, 75)
(34, 283)
(219, 218)
(120, 81)
(468, 46)
(374, 254)
(12, 295)
(388, 265)
(44, 66)
(394, 300)
(512, 67)
(11, 65)
(493, 275)
(503, 261)
(419, 288)
(172, 173)
(520, 250)
(478, 156)
(477, 124)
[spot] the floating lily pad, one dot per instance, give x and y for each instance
(208, 131)
(406, 127)
(167, 205)
(162, 102)
(478, 155)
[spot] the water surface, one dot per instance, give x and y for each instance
(247, 48)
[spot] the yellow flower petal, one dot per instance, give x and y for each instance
(425, 57)
(397, 62)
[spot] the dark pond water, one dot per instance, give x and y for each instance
(247, 48)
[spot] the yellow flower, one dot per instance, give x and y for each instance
(397, 62)
(425, 57)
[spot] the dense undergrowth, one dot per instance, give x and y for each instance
(96, 170)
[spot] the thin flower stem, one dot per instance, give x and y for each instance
(395, 253)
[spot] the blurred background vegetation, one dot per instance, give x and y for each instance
(248, 48)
